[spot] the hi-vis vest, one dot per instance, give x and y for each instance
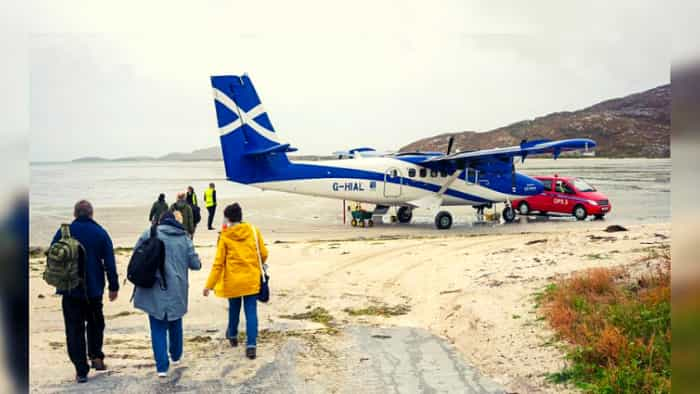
(209, 197)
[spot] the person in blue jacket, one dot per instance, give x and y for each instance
(82, 306)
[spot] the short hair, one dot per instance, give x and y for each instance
(233, 212)
(190, 188)
(181, 196)
(211, 184)
(82, 208)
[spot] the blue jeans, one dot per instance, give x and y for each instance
(162, 332)
(250, 305)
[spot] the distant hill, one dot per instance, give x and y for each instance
(637, 125)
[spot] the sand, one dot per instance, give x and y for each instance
(473, 288)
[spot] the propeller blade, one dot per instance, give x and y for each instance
(449, 145)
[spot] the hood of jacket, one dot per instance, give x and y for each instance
(171, 227)
(239, 232)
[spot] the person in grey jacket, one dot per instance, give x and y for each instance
(166, 306)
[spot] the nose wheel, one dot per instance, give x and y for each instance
(443, 220)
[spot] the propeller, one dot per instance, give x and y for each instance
(449, 145)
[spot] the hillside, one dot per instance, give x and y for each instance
(637, 125)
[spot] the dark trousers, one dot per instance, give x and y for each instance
(210, 220)
(81, 316)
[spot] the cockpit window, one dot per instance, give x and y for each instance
(583, 186)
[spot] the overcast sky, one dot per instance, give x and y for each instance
(134, 80)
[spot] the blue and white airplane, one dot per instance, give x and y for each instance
(255, 155)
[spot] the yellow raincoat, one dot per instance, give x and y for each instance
(236, 271)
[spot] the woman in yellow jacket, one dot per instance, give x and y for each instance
(236, 275)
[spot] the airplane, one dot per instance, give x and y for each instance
(255, 155)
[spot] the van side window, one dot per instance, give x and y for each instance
(422, 172)
(433, 173)
(547, 184)
(411, 172)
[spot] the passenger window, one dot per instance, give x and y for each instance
(422, 172)
(443, 173)
(394, 173)
(411, 172)
(547, 184)
(433, 173)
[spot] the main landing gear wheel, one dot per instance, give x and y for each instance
(524, 208)
(404, 214)
(508, 214)
(580, 212)
(353, 223)
(443, 220)
(370, 223)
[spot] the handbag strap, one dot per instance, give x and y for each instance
(257, 250)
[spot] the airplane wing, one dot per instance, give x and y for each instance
(526, 148)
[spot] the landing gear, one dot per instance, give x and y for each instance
(480, 213)
(443, 220)
(508, 213)
(404, 214)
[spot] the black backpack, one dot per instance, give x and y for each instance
(148, 258)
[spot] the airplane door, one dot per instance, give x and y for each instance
(392, 182)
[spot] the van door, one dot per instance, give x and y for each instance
(392, 182)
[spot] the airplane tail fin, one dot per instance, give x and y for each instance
(251, 148)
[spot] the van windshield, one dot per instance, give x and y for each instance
(582, 186)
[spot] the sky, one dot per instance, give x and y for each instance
(129, 79)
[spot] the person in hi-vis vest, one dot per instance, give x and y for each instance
(210, 203)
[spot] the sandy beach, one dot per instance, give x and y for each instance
(471, 290)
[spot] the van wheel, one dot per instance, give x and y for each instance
(524, 208)
(580, 212)
(443, 220)
(508, 214)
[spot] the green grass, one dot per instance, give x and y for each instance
(317, 315)
(618, 330)
(379, 310)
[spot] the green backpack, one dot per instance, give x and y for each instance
(63, 261)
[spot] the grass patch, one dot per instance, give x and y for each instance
(317, 315)
(379, 310)
(120, 314)
(618, 330)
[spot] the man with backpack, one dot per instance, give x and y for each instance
(79, 257)
(192, 201)
(157, 209)
(186, 211)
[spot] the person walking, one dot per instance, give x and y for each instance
(82, 306)
(186, 211)
(236, 275)
(166, 302)
(157, 209)
(210, 203)
(192, 201)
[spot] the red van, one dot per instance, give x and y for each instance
(565, 195)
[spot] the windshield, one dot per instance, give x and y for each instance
(582, 186)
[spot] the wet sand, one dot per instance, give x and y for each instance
(472, 288)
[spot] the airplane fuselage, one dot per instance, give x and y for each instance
(396, 181)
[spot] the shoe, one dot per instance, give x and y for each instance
(176, 362)
(250, 353)
(233, 342)
(98, 364)
(81, 379)
(162, 374)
